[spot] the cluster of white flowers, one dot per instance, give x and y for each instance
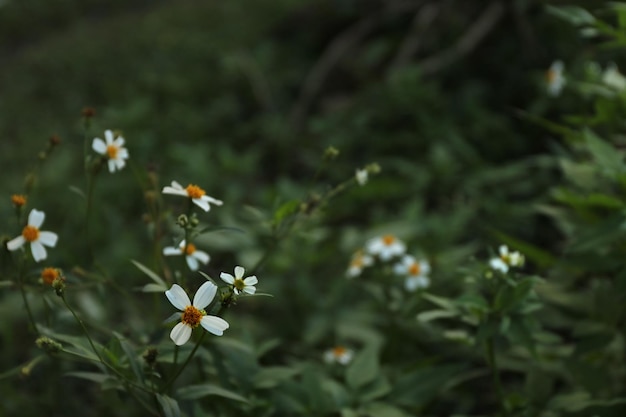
(388, 248)
(338, 354)
(506, 259)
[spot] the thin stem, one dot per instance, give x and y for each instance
(20, 284)
(495, 374)
(184, 365)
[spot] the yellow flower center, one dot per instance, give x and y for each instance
(388, 240)
(112, 151)
(18, 200)
(194, 191)
(48, 275)
(339, 351)
(191, 248)
(414, 269)
(192, 316)
(551, 76)
(30, 233)
(357, 262)
(239, 284)
(506, 259)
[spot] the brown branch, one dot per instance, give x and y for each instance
(468, 41)
(335, 51)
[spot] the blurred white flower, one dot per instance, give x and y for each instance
(416, 272)
(37, 238)
(113, 149)
(197, 195)
(555, 81)
(613, 78)
(239, 283)
(193, 256)
(339, 354)
(386, 247)
(506, 259)
(359, 261)
(193, 314)
(361, 176)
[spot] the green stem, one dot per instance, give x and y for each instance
(20, 284)
(184, 365)
(495, 374)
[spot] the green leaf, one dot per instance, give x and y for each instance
(271, 377)
(364, 368)
(169, 405)
(577, 16)
(91, 376)
(430, 315)
(77, 191)
(381, 409)
(151, 274)
(193, 392)
(442, 302)
(130, 355)
(375, 389)
(606, 156)
(285, 210)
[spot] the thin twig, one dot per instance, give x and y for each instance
(467, 42)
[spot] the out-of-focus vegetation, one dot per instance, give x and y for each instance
(243, 98)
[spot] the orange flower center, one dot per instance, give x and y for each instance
(414, 269)
(388, 240)
(112, 151)
(339, 351)
(551, 76)
(194, 191)
(18, 200)
(192, 316)
(191, 248)
(357, 262)
(48, 275)
(30, 233)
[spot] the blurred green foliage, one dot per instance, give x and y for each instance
(243, 98)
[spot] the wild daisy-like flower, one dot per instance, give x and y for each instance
(239, 283)
(613, 78)
(113, 149)
(198, 195)
(359, 261)
(555, 81)
(361, 176)
(506, 259)
(37, 238)
(416, 272)
(193, 256)
(386, 247)
(339, 354)
(193, 314)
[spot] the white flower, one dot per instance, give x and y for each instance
(113, 149)
(197, 195)
(37, 238)
(416, 272)
(386, 247)
(506, 259)
(240, 284)
(361, 176)
(359, 261)
(339, 354)
(192, 255)
(555, 80)
(193, 314)
(613, 78)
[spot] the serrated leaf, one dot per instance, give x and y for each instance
(193, 392)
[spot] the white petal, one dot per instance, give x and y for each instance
(239, 271)
(177, 186)
(251, 280)
(119, 163)
(36, 218)
(192, 263)
(16, 243)
(201, 203)
(249, 289)
(227, 278)
(170, 250)
(400, 269)
(174, 191)
(99, 146)
(211, 200)
(122, 153)
(201, 256)
(424, 267)
(503, 250)
(108, 135)
(178, 297)
(180, 334)
(204, 295)
(111, 163)
(39, 252)
(48, 238)
(214, 324)
(119, 142)
(499, 265)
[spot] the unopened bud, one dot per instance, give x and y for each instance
(48, 345)
(331, 153)
(182, 221)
